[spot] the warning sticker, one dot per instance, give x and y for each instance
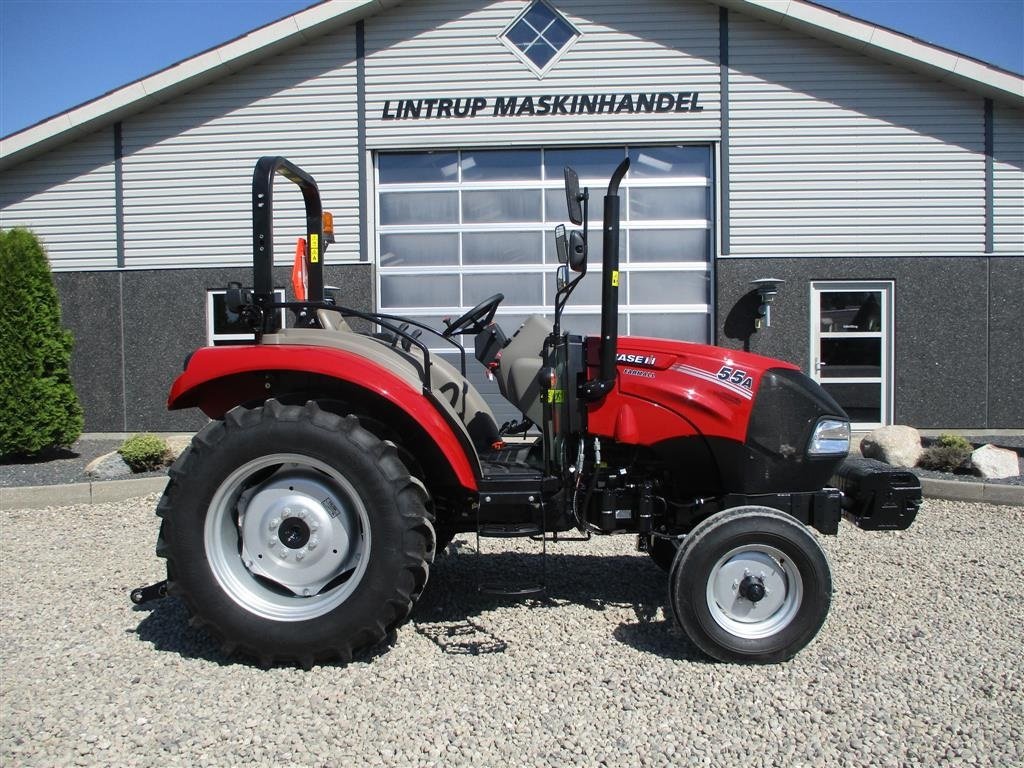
(615, 278)
(314, 248)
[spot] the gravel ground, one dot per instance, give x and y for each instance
(918, 664)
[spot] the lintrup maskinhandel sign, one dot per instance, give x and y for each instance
(541, 106)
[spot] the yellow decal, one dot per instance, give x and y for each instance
(615, 278)
(314, 248)
(556, 395)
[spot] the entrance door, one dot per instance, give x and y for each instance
(851, 347)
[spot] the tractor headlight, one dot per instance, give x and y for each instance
(831, 438)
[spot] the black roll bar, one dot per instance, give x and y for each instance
(263, 234)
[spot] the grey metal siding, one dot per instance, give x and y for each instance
(1008, 178)
(450, 48)
(188, 163)
(834, 153)
(67, 198)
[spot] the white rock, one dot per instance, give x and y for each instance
(994, 463)
(897, 445)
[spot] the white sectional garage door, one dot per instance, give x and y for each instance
(455, 227)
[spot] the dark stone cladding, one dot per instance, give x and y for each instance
(164, 319)
(959, 330)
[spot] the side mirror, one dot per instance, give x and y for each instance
(236, 297)
(561, 245)
(562, 277)
(577, 252)
(572, 196)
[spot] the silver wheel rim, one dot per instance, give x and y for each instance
(776, 573)
(287, 537)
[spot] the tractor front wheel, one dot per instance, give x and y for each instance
(294, 535)
(750, 585)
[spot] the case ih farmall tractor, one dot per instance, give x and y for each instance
(301, 524)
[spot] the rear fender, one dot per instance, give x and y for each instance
(216, 379)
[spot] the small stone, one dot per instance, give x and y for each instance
(109, 466)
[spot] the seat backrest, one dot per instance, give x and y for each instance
(332, 320)
(520, 365)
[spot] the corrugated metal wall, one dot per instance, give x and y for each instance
(1008, 178)
(449, 48)
(836, 153)
(67, 198)
(188, 163)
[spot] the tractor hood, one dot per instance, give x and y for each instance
(758, 416)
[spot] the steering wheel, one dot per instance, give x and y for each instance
(474, 321)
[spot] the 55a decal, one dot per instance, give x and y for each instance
(735, 376)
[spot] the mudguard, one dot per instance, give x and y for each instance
(218, 378)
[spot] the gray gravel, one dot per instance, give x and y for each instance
(62, 465)
(918, 664)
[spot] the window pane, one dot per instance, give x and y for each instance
(540, 53)
(501, 248)
(684, 327)
(419, 250)
(647, 162)
(521, 35)
(851, 358)
(669, 203)
(588, 163)
(504, 165)
(410, 167)
(482, 206)
(588, 291)
(226, 321)
(851, 311)
(646, 245)
(862, 402)
(539, 16)
(670, 287)
(419, 291)
(558, 34)
(519, 290)
(419, 208)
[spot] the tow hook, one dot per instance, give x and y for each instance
(141, 595)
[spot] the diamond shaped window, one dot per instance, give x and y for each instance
(539, 35)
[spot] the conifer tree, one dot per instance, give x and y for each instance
(38, 405)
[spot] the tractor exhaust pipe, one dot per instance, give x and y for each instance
(596, 389)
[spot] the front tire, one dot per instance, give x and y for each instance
(294, 535)
(750, 585)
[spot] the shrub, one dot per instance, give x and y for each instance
(947, 454)
(38, 405)
(144, 453)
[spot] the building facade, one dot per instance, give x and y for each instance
(880, 178)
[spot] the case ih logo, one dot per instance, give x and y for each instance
(636, 359)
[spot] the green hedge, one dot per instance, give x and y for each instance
(38, 405)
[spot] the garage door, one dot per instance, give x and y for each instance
(454, 227)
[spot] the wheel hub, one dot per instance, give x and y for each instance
(754, 591)
(297, 532)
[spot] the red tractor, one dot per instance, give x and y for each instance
(301, 524)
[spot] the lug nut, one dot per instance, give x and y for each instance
(313, 541)
(275, 523)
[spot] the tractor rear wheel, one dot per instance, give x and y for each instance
(293, 535)
(750, 585)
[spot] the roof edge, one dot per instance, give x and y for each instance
(184, 76)
(887, 44)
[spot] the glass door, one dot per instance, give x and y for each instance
(851, 347)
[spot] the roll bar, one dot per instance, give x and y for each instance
(263, 233)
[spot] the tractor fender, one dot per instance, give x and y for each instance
(216, 379)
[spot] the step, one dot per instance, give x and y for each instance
(508, 530)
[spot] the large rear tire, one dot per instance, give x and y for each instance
(750, 585)
(293, 535)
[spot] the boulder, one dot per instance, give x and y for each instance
(109, 466)
(995, 463)
(897, 445)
